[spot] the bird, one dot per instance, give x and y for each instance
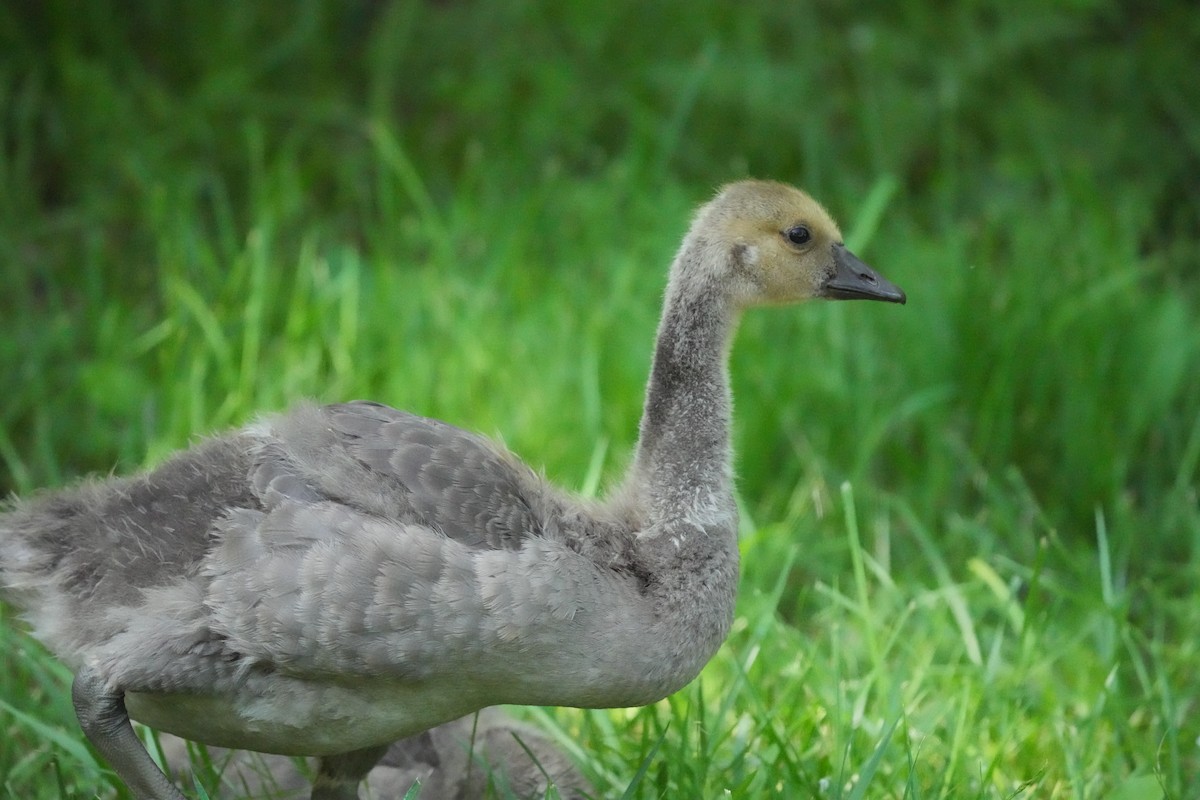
(327, 580)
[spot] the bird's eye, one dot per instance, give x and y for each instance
(798, 235)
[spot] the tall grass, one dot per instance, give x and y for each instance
(970, 525)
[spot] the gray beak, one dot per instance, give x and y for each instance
(854, 280)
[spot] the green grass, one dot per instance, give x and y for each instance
(971, 534)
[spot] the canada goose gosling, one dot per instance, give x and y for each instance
(328, 580)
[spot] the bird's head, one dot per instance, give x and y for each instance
(772, 243)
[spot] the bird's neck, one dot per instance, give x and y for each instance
(684, 460)
(681, 482)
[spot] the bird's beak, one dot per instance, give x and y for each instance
(854, 280)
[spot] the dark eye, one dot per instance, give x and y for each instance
(798, 235)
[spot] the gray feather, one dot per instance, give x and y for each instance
(457, 482)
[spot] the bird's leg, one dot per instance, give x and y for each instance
(102, 715)
(338, 776)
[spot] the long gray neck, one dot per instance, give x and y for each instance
(684, 457)
(682, 476)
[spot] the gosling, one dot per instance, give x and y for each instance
(326, 581)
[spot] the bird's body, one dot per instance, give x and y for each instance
(331, 579)
(307, 598)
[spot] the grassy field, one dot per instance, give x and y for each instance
(971, 529)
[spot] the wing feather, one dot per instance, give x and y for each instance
(336, 591)
(458, 482)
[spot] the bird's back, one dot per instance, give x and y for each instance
(70, 557)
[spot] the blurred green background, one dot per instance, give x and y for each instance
(467, 209)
